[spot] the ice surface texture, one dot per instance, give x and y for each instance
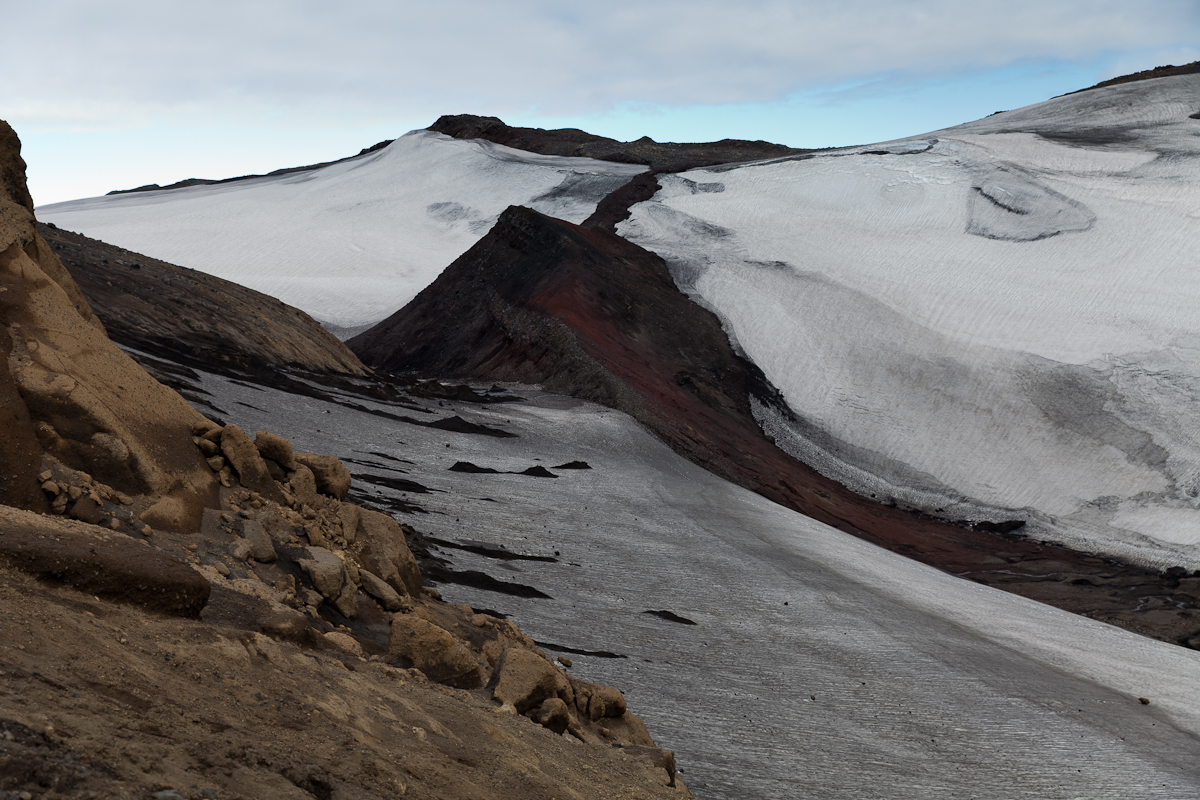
(1000, 320)
(354, 241)
(925, 685)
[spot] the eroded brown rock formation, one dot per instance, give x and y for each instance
(129, 524)
(87, 404)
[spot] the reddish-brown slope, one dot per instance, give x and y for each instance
(584, 312)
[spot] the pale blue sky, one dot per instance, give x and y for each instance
(129, 92)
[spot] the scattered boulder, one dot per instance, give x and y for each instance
(304, 486)
(523, 679)
(331, 474)
(326, 571)
(418, 643)
(244, 458)
(350, 518)
(552, 714)
(261, 547)
(276, 448)
(383, 551)
(375, 586)
(596, 701)
(344, 641)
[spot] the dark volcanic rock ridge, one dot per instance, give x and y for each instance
(582, 311)
(574, 142)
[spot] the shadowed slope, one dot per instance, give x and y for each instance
(167, 310)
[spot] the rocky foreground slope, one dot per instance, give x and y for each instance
(191, 612)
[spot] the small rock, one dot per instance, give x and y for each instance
(523, 679)
(240, 549)
(345, 642)
(244, 458)
(208, 447)
(304, 486)
(50, 487)
(204, 427)
(349, 515)
(566, 662)
(276, 448)
(376, 587)
(45, 476)
(86, 509)
(326, 571)
(552, 714)
(261, 547)
(435, 652)
(1144, 701)
(221, 568)
(74, 492)
(216, 463)
(347, 602)
(331, 474)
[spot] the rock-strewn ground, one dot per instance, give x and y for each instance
(190, 611)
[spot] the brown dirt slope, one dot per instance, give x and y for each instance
(201, 614)
(158, 307)
(584, 312)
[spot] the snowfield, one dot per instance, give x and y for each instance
(352, 242)
(820, 666)
(996, 321)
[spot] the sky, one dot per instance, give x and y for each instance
(129, 92)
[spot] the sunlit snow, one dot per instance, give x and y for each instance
(999, 320)
(352, 242)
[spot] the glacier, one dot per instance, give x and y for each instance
(819, 665)
(351, 242)
(995, 321)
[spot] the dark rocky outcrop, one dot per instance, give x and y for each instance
(1164, 71)
(574, 142)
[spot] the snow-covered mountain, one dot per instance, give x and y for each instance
(996, 321)
(351, 242)
(999, 320)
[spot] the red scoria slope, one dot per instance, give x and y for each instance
(584, 312)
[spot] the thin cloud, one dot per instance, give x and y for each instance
(97, 64)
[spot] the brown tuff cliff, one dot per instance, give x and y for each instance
(70, 392)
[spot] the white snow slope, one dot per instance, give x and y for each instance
(820, 666)
(352, 242)
(997, 321)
